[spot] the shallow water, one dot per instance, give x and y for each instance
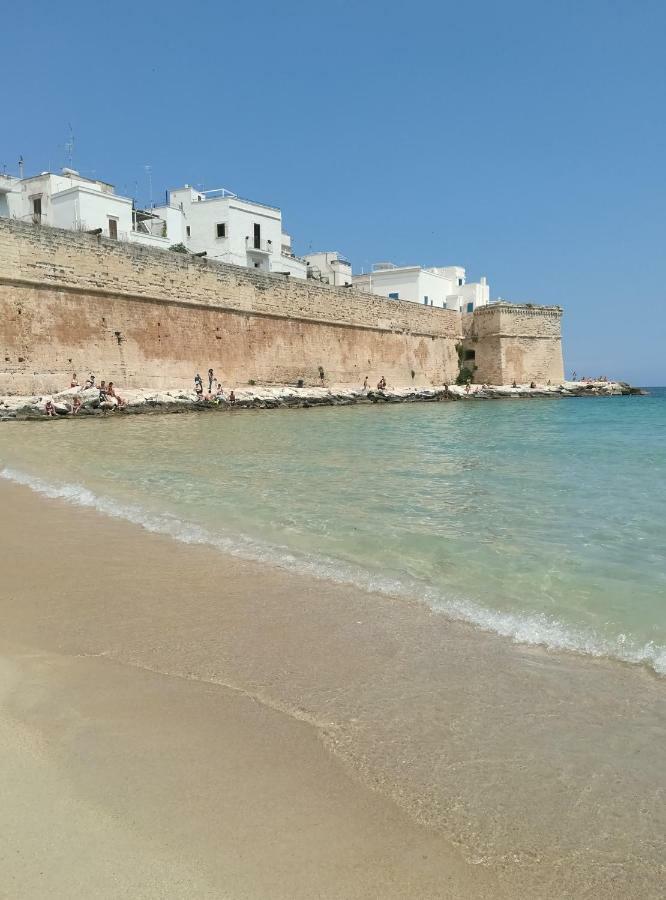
(538, 519)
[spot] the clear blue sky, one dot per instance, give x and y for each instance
(523, 140)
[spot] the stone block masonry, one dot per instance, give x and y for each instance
(518, 343)
(147, 318)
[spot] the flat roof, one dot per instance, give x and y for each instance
(228, 197)
(69, 175)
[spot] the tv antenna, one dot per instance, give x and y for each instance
(149, 172)
(69, 146)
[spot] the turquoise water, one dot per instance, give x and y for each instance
(543, 520)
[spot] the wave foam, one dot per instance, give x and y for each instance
(538, 629)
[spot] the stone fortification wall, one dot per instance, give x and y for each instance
(147, 318)
(142, 317)
(514, 342)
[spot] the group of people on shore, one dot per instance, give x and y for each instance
(107, 397)
(215, 390)
(588, 380)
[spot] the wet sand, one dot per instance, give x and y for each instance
(177, 723)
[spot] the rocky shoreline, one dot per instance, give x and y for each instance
(135, 402)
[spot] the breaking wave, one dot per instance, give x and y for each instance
(538, 630)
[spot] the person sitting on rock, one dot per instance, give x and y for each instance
(232, 397)
(90, 382)
(514, 383)
(532, 385)
(381, 384)
(76, 404)
(50, 409)
(75, 381)
(111, 392)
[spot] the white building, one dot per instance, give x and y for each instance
(443, 286)
(329, 266)
(69, 200)
(232, 230)
(226, 228)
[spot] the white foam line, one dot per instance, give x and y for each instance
(525, 629)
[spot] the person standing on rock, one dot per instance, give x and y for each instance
(198, 386)
(365, 383)
(211, 376)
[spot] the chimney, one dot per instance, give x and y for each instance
(21, 167)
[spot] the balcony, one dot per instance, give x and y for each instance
(252, 245)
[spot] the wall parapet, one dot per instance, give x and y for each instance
(42, 255)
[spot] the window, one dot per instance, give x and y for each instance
(470, 307)
(37, 209)
(187, 230)
(425, 299)
(395, 296)
(257, 236)
(460, 281)
(113, 229)
(469, 354)
(221, 229)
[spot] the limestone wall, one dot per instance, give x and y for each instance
(142, 317)
(147, 318)
(515, 342)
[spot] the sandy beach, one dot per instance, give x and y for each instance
(177, 723)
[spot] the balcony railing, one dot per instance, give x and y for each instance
(252, 244)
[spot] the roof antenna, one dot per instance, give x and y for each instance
(69, 147)
(150, 184)
(21, 167)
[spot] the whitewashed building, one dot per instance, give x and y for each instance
(443, 286)
(224, 227)
(330, 267)
(229, 229)
(70, 200)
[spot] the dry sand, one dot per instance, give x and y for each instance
(174, 723)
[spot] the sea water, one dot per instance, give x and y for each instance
(542, 520)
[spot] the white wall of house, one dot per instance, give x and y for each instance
(331, 266)
(442, 286)
(407, 283)
(168, 219)
(69, 200)
(233, 230)
(81, 208)
(468, 296)
(10, 196)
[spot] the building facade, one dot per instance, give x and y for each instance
(443, 286)
(229, 229)
(330, 267)
(72, 201)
